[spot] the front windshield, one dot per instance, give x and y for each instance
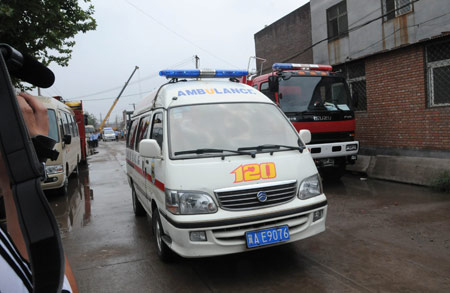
(301, 93)
(227, 126)
(109, 132)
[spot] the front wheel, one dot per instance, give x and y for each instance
(333, 173)
(164, 252)
(138, 209)
(63, 190)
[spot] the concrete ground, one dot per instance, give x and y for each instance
(381, 236)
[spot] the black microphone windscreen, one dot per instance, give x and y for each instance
(36, 73)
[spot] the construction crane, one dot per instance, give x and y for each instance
(117, 99)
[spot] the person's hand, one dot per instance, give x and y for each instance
(34, 113)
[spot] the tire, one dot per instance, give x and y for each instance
(164, 252)
(65, 188)
(138, 209)
(332, 174)
(76, 171)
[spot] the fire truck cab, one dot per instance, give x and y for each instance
(315, 98)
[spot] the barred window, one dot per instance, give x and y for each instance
(394, 8)
(337, 21)
(438, 74)
(355, 73)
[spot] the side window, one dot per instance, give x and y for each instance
(132, 134)
(438, 73)
(142, 130)
(66, 123)
(157, 128)
(73, 123)
(265, 90)
(337, 21)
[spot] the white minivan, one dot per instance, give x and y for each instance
(63, 129)
(220, 169)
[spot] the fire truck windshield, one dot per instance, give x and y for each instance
(313, 93)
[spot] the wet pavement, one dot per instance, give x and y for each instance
(381, 236)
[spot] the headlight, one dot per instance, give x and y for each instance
(310, 187)
(351, 147)
(189, 202)
(54, 169)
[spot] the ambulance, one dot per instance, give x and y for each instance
(219, 168)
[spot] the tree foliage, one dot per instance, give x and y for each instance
(92, 120)
(44, 28)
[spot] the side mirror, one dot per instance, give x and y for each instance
(273, 83)
(67, 139)
(149, 148)
(305, 135)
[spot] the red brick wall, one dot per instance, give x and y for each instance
(397, 114)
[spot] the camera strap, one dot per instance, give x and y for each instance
(37, 222)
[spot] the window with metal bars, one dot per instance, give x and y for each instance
(438, 74)
(355, 74)
(394, 8)
(337, 21)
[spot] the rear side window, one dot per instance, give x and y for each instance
(265, 90)
(74, 125)
(66, 123)
(157, 128)
(132, 134)
(142, 130)
(52, 125)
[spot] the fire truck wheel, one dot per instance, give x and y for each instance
(164, 252)
(333, 173)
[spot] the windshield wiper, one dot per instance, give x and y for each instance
(272, 146)
(212, 151)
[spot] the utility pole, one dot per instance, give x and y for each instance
(134, 105)
(197, 61)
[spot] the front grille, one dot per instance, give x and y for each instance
(246, 198)
(327, 137)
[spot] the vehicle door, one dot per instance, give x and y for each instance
(132, 167)
(154, 166)
(141, 178)
(66, 147)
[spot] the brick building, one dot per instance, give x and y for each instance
(280, 41)
(396, 57)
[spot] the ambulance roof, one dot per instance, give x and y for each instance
(202, 91)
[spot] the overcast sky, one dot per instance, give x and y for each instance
(156, 35)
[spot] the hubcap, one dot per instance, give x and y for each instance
(158, 235)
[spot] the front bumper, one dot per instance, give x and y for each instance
(53, 181)
(330, 150)
(228, 236)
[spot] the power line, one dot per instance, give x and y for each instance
(177, 34)
(350, 30)
(413, 25)
(151, 76)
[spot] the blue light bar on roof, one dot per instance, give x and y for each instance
(199, 73)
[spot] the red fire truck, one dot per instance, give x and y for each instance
(315, 98)
(77, 107)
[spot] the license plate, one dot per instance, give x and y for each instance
(267, 236)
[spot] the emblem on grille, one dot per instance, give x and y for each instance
(261, 196)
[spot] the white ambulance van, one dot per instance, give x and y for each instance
(219, 168)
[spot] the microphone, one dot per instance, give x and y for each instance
(26, 67)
